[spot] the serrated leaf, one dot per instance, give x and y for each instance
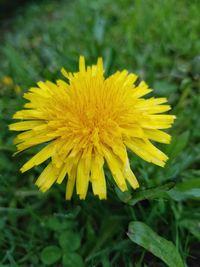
(144, 236)
(50, 255)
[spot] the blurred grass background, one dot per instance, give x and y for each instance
(159, 40)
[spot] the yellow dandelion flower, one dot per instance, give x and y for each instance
(90, 120)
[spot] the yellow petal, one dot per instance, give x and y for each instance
(100, 65)
(141, 90)
(70, 183)
(24, 125)
(130, 177)
(147, 151)
(83, 173)
(158, 136)
(62, 173)
(115, 168)
(97, 176)
(28, 115)
(69, 163)
(47, 177)
(32, 142)
(40, 157)
(82, 64)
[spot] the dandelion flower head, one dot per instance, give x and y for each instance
(88, 121)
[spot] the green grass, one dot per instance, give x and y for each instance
(159, 40)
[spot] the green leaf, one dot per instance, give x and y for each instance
(144, 236)
(151, 193)
(72, 260)
(50, 255)
(177, 145)
(125, 196)
(163, 88)
(69, 241)
(186, 189)
(53, 223)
